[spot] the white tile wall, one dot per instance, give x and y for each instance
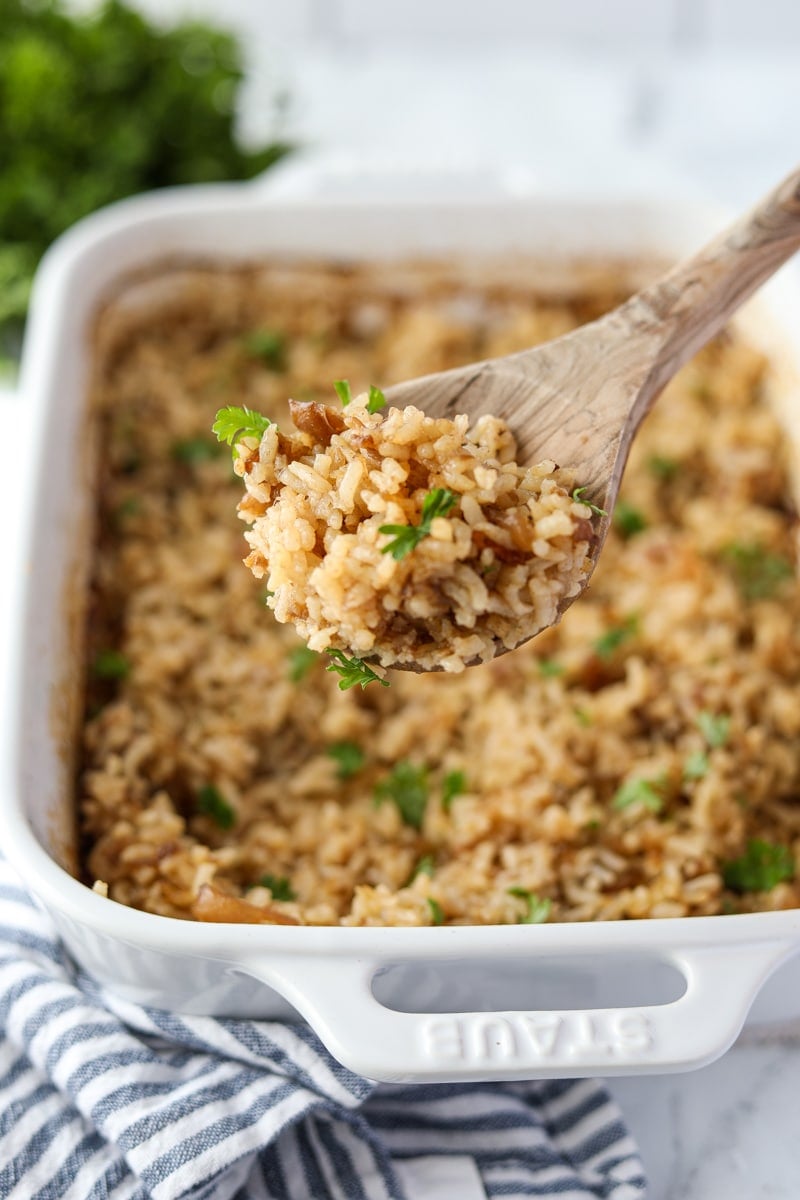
(609, 24)
(580, 22)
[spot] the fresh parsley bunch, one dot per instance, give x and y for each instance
(96, 108)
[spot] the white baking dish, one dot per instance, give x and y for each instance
(395, 1004)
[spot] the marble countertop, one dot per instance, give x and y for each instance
(726, 1132)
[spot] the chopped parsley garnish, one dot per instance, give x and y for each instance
(757, 572)
(583, 717)
(614, 637)
(405, 538)
(349, 758)
(537, 910)
(423, 866)
(696, 765)
(647, 792)
(454, 784)
(130, 507)
(301, 660)
(111, 664)
(192, 451)
(342, 389)
(211, 803)
(233, 423)
(352, 671)
(663, 468)
(715, 728)
(437, 916)
(628, 520)
(407, 786)
(760, 868)
(267, 345)
(578, 495)
(376, 399)
(280, 886)
(549, 668)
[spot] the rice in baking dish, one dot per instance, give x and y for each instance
(641, 759)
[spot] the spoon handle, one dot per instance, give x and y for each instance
(694, 300)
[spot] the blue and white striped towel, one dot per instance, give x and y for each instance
(104, 1100)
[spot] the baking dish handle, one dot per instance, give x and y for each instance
(336, 997)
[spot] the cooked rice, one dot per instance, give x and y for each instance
(491, 573)
(225, 773)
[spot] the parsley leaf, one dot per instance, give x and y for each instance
(538, 910)
(437, 916)
(628, 520)
(342, 389)
(647, 792)
(376, 400)
(757, 572)
(269, 346)
(423, 866)
(349, 758)
(211, 803)
(715, 728)
(577, 494)
(454, 784)
(407, 786)
(615, 636)
(696, 765)
(301, 660)
(352, 671)
(232, 424)
(192, 451)
(111, 664)
(663, 468)
(406, 538)
(549, 668)
(280, 886)
(760, 868)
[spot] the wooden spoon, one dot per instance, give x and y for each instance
(580, 399)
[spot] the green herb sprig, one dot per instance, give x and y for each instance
(615, 636)
(436, 911)
(233, 423)
(760, 868)
(405, 538)
(715, 728)
(280, 886)
(454, 784)
(343, 391)
(577, 494)
(111, 664)
(192, 451)
(407, 787)
(269, 346)
(537, 909)
(423, 866)
(352, 671)
(758, 573)
(647, 792)
(212, 803)
(375, 400)
(301, 660)
(349, 758)
(628, 520)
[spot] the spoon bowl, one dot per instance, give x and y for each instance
(580, 399)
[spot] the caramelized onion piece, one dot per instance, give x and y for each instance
(317, 420)
(213, 905)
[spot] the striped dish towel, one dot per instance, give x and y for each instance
(101, 1099)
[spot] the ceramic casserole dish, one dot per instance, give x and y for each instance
(410, 1004)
